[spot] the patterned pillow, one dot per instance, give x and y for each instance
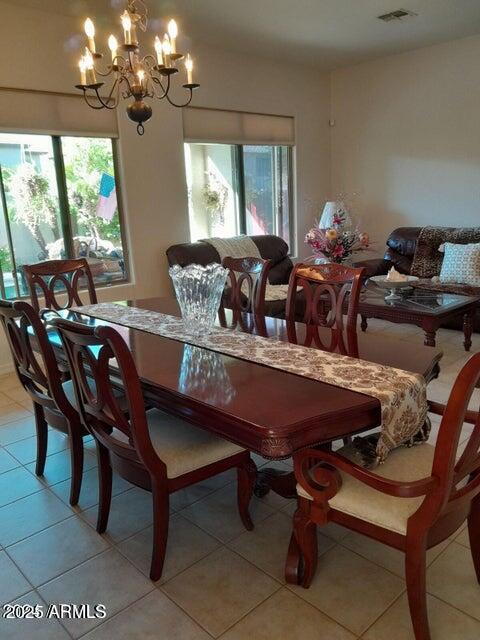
(461, 264)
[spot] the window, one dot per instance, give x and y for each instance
(237, 189)
(58, 199)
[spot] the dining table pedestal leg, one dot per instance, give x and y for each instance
(281, 482)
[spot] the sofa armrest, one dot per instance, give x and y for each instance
(374, 266)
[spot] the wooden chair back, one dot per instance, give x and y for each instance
(327, 290)
(33, 356)
(458, 476)
(96, 357)
(248, 279)
(55, 278)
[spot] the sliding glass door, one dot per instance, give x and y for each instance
(237, 189)
(267, 190)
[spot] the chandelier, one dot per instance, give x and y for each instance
(133, 75)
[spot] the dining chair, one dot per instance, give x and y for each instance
(151, 449)
(55, 278)
(418, 498)
(248, 278)
(50, 390)
(331, 292)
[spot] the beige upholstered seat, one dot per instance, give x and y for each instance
(184, 447)
(359, 500)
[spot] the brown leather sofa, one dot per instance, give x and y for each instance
(270, 247)
(401, 245)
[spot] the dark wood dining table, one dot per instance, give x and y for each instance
(268, 411)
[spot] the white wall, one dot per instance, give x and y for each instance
(407, 137)
(42, 53)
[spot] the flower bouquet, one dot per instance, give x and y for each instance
(339, 241)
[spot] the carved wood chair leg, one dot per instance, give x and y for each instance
(76, 460)
(160, 528)
(294, 562)
(415, 573)
(42, 438)
(474, 534)
(246, 478)
(305, 531)
(104, 487)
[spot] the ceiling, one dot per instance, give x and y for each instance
(321, 33)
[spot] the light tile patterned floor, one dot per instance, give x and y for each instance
(219, 580)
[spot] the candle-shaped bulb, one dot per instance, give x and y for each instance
(89, 28)
(88, 59)
(166, 46)
(158, 49)
(167, 50)
(83, 70)
(127, 26)
(141, 76)
(189, 68)
(113, 46)
(90, 33)
(89, 68)
(173, 33)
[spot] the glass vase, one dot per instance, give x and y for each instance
(199, 291)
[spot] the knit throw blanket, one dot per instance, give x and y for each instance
(238, 247)
(427, 261)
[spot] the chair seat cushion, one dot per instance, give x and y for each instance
(184, 447)
(361, 501)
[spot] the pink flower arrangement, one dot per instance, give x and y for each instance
(336, 243)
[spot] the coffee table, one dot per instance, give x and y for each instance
(421, 307)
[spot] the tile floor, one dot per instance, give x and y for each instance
(219, 581)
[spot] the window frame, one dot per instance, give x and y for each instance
(64, 212)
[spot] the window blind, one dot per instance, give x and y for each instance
(54, 114)
(234, 127)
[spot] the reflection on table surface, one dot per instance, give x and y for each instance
(205, 371)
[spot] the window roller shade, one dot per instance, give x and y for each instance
(216, 125)
(54, 114)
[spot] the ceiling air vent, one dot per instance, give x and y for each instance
(399, 14)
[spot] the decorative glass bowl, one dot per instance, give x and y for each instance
(199, 291)
(393, 286)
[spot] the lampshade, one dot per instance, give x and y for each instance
(329, 210)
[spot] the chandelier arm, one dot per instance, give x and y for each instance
(174, 104)
(96, 106)
(164, 89)
(102, 73)
(110, 98)
(103, 104)
(147, 58)
(124, 60)
(124, 78)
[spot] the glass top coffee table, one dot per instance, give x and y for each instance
(421, 307)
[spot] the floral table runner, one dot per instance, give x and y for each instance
(402, 394)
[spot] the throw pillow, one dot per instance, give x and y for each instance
(461, 264)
